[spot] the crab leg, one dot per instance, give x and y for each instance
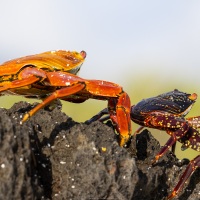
(120, 115)
(166, 147)
(192, 142)
(138, 130)
(118, 105)
(105, 111)
(194, 121)
(158, 120)
(192, 166)
(57, 94)
(99, 116)
(113, 117)
(172, 140)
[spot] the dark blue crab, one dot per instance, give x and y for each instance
(167, 112)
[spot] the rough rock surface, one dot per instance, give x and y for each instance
(52, 157)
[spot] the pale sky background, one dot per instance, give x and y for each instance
(121, 37)
(148, 47)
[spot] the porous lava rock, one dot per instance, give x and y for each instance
(53, 157)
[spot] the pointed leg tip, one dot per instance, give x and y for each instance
(25, 118)
(153, 162)
(172, 195)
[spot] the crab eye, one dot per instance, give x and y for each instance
(193, 96)
(83, 54)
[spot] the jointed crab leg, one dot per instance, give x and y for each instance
(138, 130)
(119, 110)
(194, 121)
(99, 116)
(57, 94)
(157, 120)
(192, 166)
(122, 110)
(120, 129)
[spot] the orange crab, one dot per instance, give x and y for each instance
(52, 75)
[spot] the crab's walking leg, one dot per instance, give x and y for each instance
(99, 116)
(120, 115)
(165, 148)
(57, 94)
(138, 130)
(175, 135)
(160, 120)
(192, 166)
(191, 140)
(194, 121)
(118, 105)
(124, 112)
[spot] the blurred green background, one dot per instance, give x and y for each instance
(148, 47)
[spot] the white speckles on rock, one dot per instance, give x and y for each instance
(3, 165)
(21, 159)
(62, 162)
